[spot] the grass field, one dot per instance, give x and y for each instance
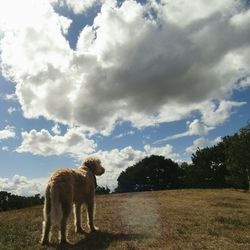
(178, 219)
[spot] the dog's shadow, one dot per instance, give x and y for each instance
(101, 240)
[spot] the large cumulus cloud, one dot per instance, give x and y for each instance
(145, 64)
(74, 142)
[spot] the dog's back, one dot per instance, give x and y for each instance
(65, 187)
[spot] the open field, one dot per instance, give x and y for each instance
(178, 219)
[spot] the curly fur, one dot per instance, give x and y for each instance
(68, 187)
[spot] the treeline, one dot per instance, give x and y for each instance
(10, 201)
(102, 190)
(224, 165)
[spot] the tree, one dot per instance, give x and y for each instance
(152, 173)
(4, 198)
(10, 201)
(102, 190)
(209, 168)
(238, 158)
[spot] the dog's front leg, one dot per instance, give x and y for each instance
(77, 215)
(91, 212)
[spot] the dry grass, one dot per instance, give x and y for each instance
(178, 219)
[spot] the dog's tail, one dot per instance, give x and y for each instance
(46, 216)
(47, 204)
(56, 206)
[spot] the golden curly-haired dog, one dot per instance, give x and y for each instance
(65, 188)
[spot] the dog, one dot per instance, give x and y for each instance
(68, 187)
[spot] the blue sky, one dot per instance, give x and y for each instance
(118, 79)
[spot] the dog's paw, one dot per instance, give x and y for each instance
(80, 231)
(44, 242)
(94, 229)
(65, 243)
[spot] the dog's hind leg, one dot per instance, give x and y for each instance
(91, 214)
(47, 217)
(77, 215)
(66, 209)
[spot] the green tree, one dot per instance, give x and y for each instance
(4, 198)
(102, 190)
(238, 158)
(209, 168)
(151, 173)
(10, 201)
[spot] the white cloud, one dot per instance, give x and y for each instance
(130, 132)
(166, 151)
(195, 128)
(183, 13)
(20, 185)
(198, 128)
(241, 19)
(214, 115)
(74, 142)
(161, 62)
(10, 97)
(7, 132)
(56, 129)
(245, 82)
(202, 143)
(65, 24)
(11, 110)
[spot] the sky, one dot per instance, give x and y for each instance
(120, 80)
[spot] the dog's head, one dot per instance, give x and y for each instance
(94, 164)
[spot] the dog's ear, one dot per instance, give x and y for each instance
(94, 164)
(89, 164)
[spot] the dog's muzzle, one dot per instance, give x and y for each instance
(103, 170)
